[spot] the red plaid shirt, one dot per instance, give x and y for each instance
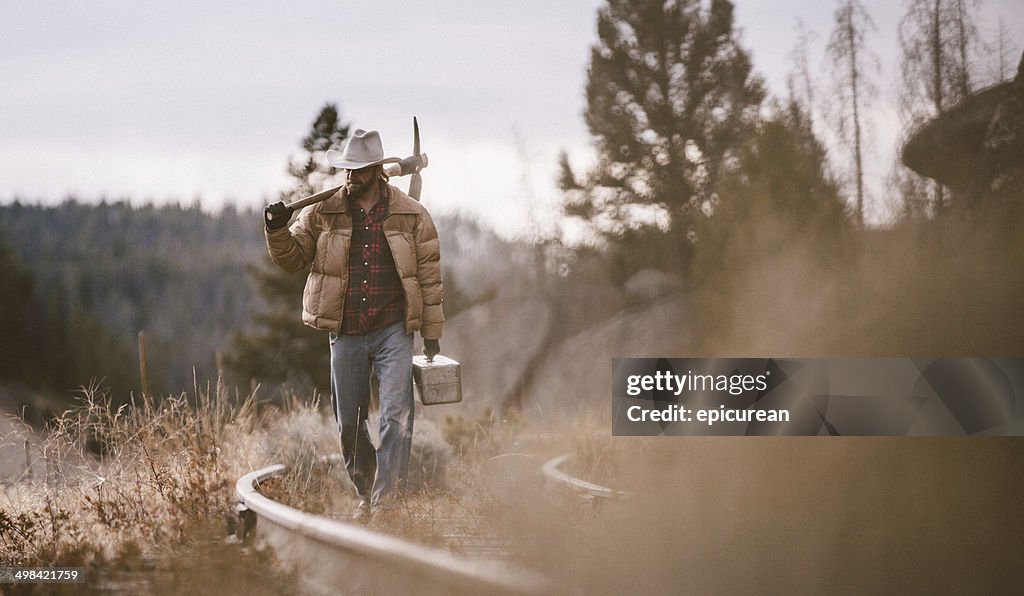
(374, 298)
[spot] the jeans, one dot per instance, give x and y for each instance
(376, 473)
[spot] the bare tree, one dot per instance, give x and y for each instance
(800, 82)
(851, 65)
(1004, 54)
(937, 41)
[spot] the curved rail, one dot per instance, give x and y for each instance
(552, 471)
(335, 557)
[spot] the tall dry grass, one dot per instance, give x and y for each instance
(111, 487)
(447, 504)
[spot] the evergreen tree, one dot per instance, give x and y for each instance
(282, 349)
(55, 345)
(310, 173)
(780, 180)
(779, 209)
(19, 323)
(670, 92)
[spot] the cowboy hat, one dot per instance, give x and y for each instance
(362, 150)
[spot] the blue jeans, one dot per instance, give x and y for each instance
(376, 473)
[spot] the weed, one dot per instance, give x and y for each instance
(131, 483)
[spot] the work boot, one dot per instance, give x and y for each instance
(362, 512)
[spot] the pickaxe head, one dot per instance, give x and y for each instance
(414, 163)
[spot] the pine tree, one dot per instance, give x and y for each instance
(310, 173)
(779, 188)
(670, 91)
(283, 350)
(18, 320)
(779, 209)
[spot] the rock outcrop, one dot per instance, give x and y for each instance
(976, 147)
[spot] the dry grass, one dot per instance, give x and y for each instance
(451, 503)
(474, 439)
(151, 483)
(445, 506)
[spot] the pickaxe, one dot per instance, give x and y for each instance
(410, 165)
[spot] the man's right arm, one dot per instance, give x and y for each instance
(292, 249)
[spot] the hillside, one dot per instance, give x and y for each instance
(102, 273)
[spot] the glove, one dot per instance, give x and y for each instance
(276, 216)
(431, 348)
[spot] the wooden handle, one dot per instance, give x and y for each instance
(391, 169)
(323, 195)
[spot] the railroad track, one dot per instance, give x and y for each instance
(553, 472)
(332, 557)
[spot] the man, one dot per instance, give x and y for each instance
(374, 279)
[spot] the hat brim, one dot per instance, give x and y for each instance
(336, 159)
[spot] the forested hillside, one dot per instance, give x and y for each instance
(92, 276)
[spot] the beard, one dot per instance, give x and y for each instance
(357, 189)
(360, 188)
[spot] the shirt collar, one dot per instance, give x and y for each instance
(380, 205)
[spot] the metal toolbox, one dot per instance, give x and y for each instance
(438, 381)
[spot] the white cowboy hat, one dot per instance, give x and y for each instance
(362, 150)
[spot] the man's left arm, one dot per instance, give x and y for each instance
(428, 274)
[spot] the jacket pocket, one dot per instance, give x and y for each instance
(332, 251)
(403, 252)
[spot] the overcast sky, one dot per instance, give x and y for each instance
(161, 101)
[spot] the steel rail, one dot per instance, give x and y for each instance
(334, 557)
(552, 471)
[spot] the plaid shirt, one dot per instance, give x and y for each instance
(374, 298)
